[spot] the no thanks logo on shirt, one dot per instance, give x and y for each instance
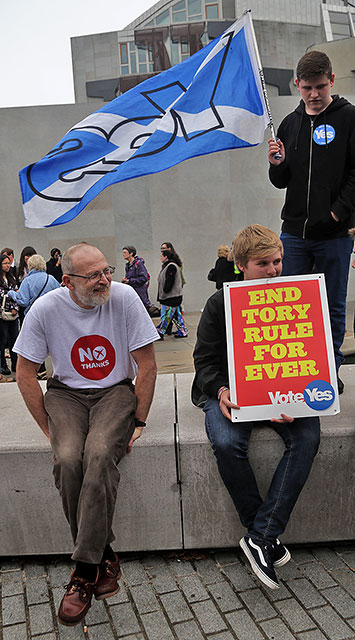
(93, 357)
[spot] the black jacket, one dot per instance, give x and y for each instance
(319, 173)
(210, 354)
(223, 271)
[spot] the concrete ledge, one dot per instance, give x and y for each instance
(171, 478)
(147, 513)
(324, 511)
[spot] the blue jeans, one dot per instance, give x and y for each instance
(331, 257)
(264, 519)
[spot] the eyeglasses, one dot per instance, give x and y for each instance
(95, 277)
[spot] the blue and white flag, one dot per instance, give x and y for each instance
(210, 102)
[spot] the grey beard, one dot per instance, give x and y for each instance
(93, 298)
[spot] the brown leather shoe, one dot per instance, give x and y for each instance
(107, 584)
(77, 600)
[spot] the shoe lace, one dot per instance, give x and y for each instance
(77, 585)
(269, 553)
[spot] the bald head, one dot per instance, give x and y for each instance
(78, 257)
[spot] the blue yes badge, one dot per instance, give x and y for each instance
(319, 134)
(319, 395)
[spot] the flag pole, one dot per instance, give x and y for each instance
(277, 155)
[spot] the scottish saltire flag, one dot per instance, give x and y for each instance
(210, 102)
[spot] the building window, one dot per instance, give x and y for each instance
(212, 12)
(179, 11)
(195, 8)
(124, 53)
(163, 18)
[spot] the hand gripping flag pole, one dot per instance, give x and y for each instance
(277, 155)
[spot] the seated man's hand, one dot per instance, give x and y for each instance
(283, 420)
(136, 434)
(226, 405)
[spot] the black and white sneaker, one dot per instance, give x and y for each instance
(281, 554)
(261, 557)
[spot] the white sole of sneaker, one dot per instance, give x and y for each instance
(258, 572)
(285, 558)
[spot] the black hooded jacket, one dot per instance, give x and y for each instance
(318, 171)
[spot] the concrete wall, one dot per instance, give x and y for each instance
(197, 205)
(342, 55)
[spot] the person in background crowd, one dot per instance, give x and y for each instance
(36, 283)
(170, 295)
(10, 253)
(8, 326)
(168, 246)
(314, 159)
(22, 271)
(136, 274)
(53, 266)
(224, 269)
(100, 338)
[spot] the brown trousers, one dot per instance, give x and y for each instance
(89, 433)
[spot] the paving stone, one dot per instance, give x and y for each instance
(13, 610)
(329, 558)
(208, 571)
(319, 576)
(34, 570)
(243, 626)
(124, 619)
(341, 601)
(121, 596)
(41, 619)
(332, 624)
(226, 557)
(144, 598)
(100, 632)
(349, 558)
(181, 567)
(162, 579)
(346, 577)
(222, 636)
(71, 633)
(17, 632)
(257, 604)
(290, 571)
(12, 584)
(300, 556)
(45, 636)
(306, 593)
(156, 626)
(97, 613)
(294, 615)
(134, 572)
(37, 591)
(152, 561)
(176, 607)
(239, 577)
(189, 631)
(277, 594)
(351, 623)
(59, 573)
(276, 630)
(193, 589)
(209, 618)
(225, 597)
(312, 635)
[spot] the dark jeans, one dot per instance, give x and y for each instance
(264, 519)
(331, 257)
(8, 335)
(89, 433)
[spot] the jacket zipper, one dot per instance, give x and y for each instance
(309, 178)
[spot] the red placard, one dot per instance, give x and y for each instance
(279, 344)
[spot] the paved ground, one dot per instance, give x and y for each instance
(191, 596)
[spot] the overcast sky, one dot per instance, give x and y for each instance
(35, 48)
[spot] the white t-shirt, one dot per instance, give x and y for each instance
(90, 348)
